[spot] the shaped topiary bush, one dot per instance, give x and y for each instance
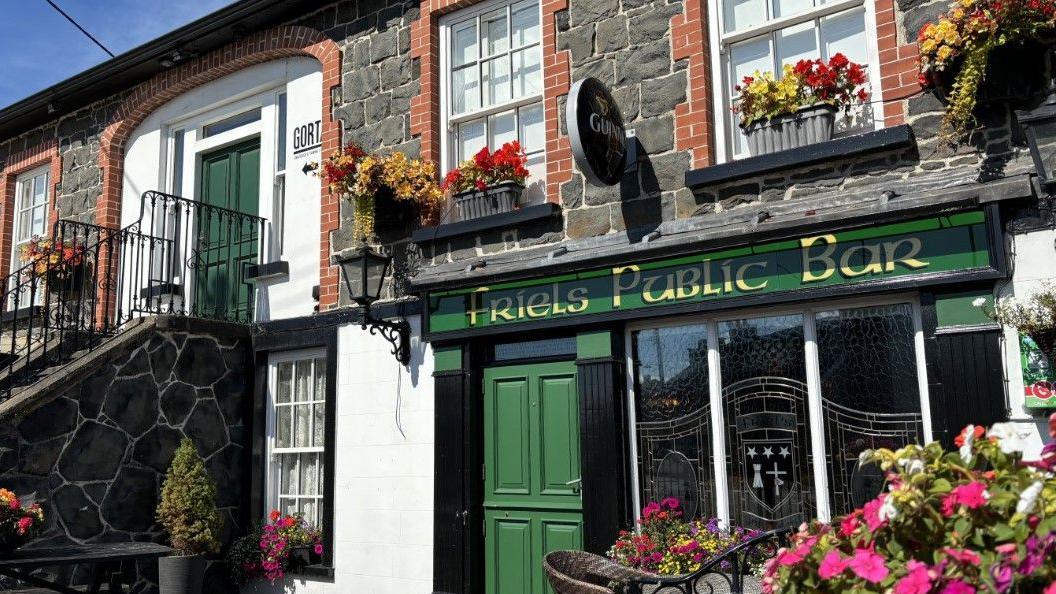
(188, 504)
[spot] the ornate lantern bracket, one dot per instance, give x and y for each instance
(364, 271)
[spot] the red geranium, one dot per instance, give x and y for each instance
(487, 169)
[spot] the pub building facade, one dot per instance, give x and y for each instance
(662, 315)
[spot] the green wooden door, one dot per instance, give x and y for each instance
(531, 473)
(230, 181)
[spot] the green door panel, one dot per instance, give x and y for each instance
(230, 180)
(531, 452)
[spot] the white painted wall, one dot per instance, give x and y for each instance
(149, 159)
(1035, 263)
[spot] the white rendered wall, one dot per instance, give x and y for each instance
(1035, 263)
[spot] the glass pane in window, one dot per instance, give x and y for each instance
(673, 412)
(302, 418)
(39, 220)
(495, 80)
(525, 18)
(795, 43)
(502, 128)
(494, 35)
(870, 395)
(471, 138)
(177, 162)
(288, 506)
(280, 149)
(465, 90)
(230, 123)
(25, 196)
(302, 387)
(289, 473)
(319, 429)
(284, 382)
(741, 14)
(464, 43)
(283, 424)
(309, 474)
(527, 73)
(845, 33)
(40, 189)
(783, 8)
(738, 140)
(532, 128)
(320, 379)
(25, 230)
(749, 57)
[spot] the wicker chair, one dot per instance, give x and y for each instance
(580, 572)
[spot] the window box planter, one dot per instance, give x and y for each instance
(303, 557)
(1015, 73)
(808, 125)
(475, 204)
(66, 279)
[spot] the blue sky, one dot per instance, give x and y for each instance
(39, 48)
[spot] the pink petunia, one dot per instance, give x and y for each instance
(871, 513)
(958, 587)
(832, 565)
(972, 496)
(318, 548)
(848, 525)
(786, 557)
(869, 566)
(964, 557)
(916, 581)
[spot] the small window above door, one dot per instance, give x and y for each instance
(230, 123)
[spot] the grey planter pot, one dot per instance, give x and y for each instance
(181, 575)
(809, 125)
(475, 204)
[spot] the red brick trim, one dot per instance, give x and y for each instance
(17, 164)
(257, 48)
(899, 64)
(694, 126)
(425, 107)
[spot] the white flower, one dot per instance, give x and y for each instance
(1029, 498)
(979, 302)
(887, 510)
(911, 466)
(966, 449)
(864, 457)
(1010, 437)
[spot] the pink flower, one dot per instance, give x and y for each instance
(916, 581)
(786, 557)
(848, 525)
(958, 587)
(964, 557)
(868, 565)
(318, 548)
(14, 504)
(972, 496)
(832, 565)
(24, 525)
(871, 513)
(1050, 589)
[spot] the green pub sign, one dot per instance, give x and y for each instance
(1039, 378)
(916, 248)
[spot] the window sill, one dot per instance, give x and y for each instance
(528, 214)
(270, 271)
(839, 148)
(315, 573)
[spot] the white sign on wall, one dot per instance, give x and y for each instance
(306, 138)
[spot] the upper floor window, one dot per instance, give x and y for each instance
(765, 35)
(492, 84)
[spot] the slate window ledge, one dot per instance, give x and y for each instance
(315, 573)
(270, 271)
(838, 148)
(521, 216)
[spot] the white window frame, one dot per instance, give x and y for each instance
(720, 62)
(272, 476)
(816, 422)
(449, 121)
(28, 177)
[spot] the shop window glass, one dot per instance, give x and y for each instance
(673, 417)
(299, 419)
(870, 394)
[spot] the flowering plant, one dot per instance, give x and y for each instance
(360, 177)
(266, 552)
(838, 82)
(973, 520)
(667, 544)
(964, 36)
(1034, 316)
(46, 255)
(487, 169)
(18, 524)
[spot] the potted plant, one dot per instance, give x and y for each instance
(977, 519)
(60, 264)
(489, 183)
(366, 180)
(189, 515)
(18, 524)
(284, 544)
(799, 108)
(1034, 316)
(997, 42)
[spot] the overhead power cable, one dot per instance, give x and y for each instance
(80, 28)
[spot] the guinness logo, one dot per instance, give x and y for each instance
(596, 132)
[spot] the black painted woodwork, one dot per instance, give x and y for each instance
(502, 220)
(970, 367)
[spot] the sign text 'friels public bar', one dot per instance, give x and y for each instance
(927, 246)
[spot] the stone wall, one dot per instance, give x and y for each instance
(96, 455)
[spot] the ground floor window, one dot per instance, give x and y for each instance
(759, 419)
(296, 433)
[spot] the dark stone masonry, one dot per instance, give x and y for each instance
(97, 454)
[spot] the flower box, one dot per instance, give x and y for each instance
(474, 204)
(808, 125)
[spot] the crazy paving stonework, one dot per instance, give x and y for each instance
(96, 456)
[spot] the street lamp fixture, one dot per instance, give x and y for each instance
(365, 271)
(1039, 126)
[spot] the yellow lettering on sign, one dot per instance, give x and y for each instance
(474, 305)
(873, 266)
(743, 285)
(618, 287)
(909, 260)
(500, 308)
(578, 300)
(825, 257)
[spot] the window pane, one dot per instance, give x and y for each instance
(25, 230)
(235, 121)
(320, 379)
(525, 17)
(494, 36)
(784, 8)
(673, 412)
(282, 427)
(471, 138)
(532, 128)
(177, 162)
(750, 56)
(40, 189)
(280, 157)
(39, 220)
(502, 128)
(527, 73)
(309, 474)
(25, 196)
(284, 381)
(302, 387)
(308, 508)
(870, 395)
(741, 14)
(464, 43)
(289, 471)
(795, 43)
(465, 90)
(845, 33)
(302, 416)
(495, 80)
(288, 506)
(319, 429)
(739, 142)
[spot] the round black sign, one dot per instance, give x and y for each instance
(595, 128)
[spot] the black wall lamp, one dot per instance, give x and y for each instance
(1039, 126)
(365, 271)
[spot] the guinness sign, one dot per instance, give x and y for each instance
(595, 128)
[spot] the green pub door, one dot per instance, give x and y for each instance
(532, 503)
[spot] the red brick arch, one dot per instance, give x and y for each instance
(256, 48)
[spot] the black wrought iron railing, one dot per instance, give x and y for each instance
(84, 282)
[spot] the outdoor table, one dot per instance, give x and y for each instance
(103, 560)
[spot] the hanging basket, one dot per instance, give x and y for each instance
(1016, 74)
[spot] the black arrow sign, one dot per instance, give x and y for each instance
(309, 168)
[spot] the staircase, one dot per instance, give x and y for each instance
(86, 283)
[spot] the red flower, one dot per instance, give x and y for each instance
(274, 515)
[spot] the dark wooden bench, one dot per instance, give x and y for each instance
(103, 561)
